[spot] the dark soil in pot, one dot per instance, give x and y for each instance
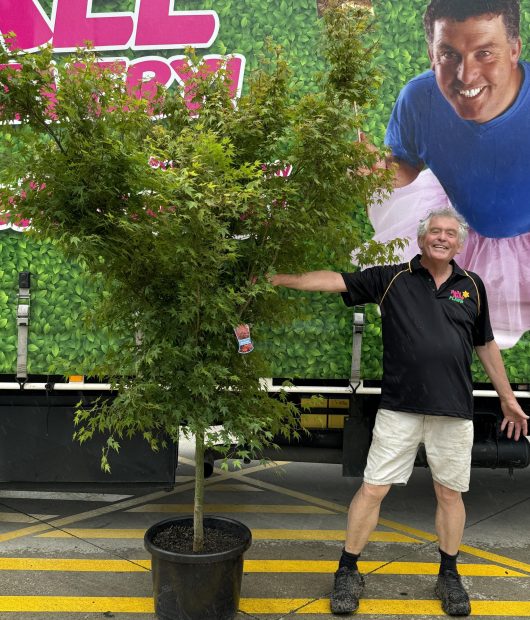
(179, 538)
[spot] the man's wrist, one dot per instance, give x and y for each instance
(507, 398)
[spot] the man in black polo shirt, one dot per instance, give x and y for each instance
(433, 315)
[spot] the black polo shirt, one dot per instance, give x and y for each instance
(428, 334)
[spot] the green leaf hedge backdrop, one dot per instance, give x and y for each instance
(318, 342)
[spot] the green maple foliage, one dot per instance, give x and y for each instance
(181, 247)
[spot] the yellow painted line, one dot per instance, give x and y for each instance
(102, 533)
(64, 521)
(27, 531)
(144, 605)
(258, 534)
(379, 607)
(432, 568)
(237, 488)
(252, 566)
(310, 499)
(479, 553)
(239, 472)
(339, 535)
(74, 565)
(61, 522)
(493, 557)
(380, 568)
(76, 604)
(224, 508)
(399, 527)
(18, 517)
(180, 479)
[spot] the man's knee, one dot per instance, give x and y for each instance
(374, 493)
(447, 496)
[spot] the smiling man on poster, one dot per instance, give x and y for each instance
(468, 121)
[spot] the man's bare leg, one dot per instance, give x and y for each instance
(450, 518)
(450, 521)
(363, 515)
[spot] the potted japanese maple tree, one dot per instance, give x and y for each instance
(179, 207)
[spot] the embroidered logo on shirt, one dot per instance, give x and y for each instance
(459, 296)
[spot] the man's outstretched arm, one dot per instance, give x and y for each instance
(515, 419)
(323, 281)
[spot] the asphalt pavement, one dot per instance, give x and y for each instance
(77, 553)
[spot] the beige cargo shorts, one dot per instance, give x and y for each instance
(397, 436)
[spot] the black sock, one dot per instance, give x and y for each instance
(349, 560)
(447, 562)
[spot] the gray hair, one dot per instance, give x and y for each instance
(424, 224)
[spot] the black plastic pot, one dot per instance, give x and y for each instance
(204, 586)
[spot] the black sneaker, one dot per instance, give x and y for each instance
(347, 590)
(449, 589)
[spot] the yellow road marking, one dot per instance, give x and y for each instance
(237, 487)
(61, 522)
(27, 531)
(76, 604)
(310, 499)
(252, 566)
(75, 565)
(57, 523)
(329, 506)
(216, 508)
(103, 533)
(479, 553)
(239, 472)
(258, 534)
(400, 527)
(144, 605)
(340, 535)
(380, 568)
(18, 517)
(376, 607)
(493, 557)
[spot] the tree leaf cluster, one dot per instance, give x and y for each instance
(180, 214)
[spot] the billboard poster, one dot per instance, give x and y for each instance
(466, 122)
(434, 122)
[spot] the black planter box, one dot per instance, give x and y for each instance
(36, 445)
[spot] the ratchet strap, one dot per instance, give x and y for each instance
(358, 327)
(23, 326)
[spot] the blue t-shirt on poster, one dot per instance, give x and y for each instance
(483, 167)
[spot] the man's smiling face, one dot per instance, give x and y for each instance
(441, 241)
(476, 65)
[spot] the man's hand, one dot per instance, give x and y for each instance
(404, 173)
(380, 164)
(515, 420)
